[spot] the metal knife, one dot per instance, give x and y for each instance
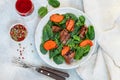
(53, 73)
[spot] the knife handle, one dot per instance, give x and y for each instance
(52, 75)
(60, 73)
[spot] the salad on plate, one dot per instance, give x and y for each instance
(66, 38)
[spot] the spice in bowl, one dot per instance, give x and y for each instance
(18, 32)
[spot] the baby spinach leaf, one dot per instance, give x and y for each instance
(71, 16)
(54, 3)
(42, 11)
(63, 21)
(63, 26)
(82, 19)
(45, 36)
(50, 23)
(55, 51)
(58, 59)
(91, 33)
(43, 51)
(66, 17)
(75, 37)
(75, 31)
(49, 31)
(79, 23)
(70, 43)
(79, 53)
(86, 50)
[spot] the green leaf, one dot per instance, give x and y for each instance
(45, 36)
(63, 26)
(86, 50)
(58, 59)
(42, 11)
(66, 17)
(63, 21)
(49, 31)
(75, 37)
(55, 51)
(43, 51)
(79, 53)
(50, 23)
(71, 43)
(91, 33)
(75, 31)
(71, 16)
(54, 3)
(79, 23)
(82, 19)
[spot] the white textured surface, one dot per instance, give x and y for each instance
(8, 47)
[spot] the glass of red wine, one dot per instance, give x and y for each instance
(24, 8)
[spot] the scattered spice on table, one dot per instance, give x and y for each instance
(32, 51)
(21, 50)
(31, 44)
(22, 57)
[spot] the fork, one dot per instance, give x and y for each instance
(53, 73)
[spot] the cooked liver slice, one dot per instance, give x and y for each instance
(64, 36)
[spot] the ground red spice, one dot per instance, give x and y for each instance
(23, 58)
(21, 51)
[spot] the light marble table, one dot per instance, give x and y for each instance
(8, 16)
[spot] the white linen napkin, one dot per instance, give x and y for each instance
(105, 15)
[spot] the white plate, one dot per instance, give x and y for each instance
(38, 38)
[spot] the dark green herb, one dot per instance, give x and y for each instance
(79, 53)
(42, 11)
(54, 3)
(91, 32)
(63, 26)
(63, 21)
(45, 36)
(82, 19)
(86, 50)
(76, 31)
(50, 23)
(66, 17)
(55, 51)
(71, 43)
(58, 59)
(75, 37)
(79, 23)
(56, 24)
(49, 31)
(71, 16)
(43, 51)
